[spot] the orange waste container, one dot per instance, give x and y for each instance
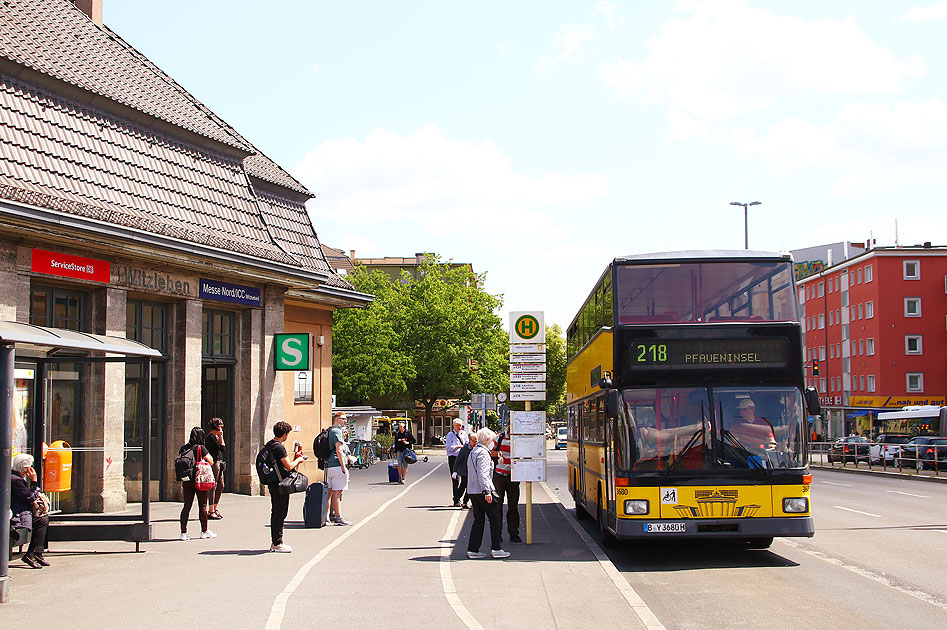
(57, 471)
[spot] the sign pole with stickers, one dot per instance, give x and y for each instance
(528, 383)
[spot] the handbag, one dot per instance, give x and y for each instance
(410, 457)
(294, 482)
(39, 506)
(203, 473)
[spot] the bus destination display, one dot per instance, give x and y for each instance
(673, 354)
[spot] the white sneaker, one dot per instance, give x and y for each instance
(208, 534)
(184, 536)
(283, 548)
(499, 553)
(476, 555)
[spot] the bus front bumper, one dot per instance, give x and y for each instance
(637, 529)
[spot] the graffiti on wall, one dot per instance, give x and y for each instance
(808, 268)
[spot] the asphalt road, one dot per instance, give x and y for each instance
(878, 560)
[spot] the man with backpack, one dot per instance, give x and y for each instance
(276, 465)
(337, 468)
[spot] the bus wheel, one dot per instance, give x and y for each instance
(759, 543)
(608, 539)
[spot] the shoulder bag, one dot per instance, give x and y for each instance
(294, 482)
(203, 472)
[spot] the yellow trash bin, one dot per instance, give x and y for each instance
(57, 472)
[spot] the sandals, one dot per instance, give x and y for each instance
(215, 515)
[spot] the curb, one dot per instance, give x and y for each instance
(881, 473)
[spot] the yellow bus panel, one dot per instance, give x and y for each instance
(596, 358)
(716, 502)
(785, 492)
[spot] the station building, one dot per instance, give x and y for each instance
(877, 325)
(128, 208)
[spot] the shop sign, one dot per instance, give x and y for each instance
(293, 351)
(227, 292)
(68, 266)
(896, 402)
(153, 281)
(439, 405)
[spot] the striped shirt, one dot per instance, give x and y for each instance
(503, 462)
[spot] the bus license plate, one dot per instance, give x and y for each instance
(664, 528)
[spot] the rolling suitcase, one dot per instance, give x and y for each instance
(316, 506)
(393, 475)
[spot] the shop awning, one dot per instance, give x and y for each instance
(42, 337)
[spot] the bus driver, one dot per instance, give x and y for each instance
(754, 432)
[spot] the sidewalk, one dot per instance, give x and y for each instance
(394, 559)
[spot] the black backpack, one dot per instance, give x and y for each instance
(185, 463)
(320, 446)
(266, 467)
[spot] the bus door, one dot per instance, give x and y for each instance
(608, 427)
(581, 467)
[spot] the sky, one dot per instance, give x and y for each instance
(538, 140)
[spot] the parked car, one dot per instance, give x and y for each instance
(562, 434)
(924, 451)
(851, 449)
(887, 444)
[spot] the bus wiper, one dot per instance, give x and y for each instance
(680, 454)
(750, 457)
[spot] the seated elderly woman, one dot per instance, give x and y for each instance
(24, 491)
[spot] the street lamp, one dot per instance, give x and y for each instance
(746, 227)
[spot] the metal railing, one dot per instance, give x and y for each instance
(921, 459)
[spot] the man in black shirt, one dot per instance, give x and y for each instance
(403, 441)
(280, 502)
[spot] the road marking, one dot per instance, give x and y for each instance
(942, 531)
(279, 604)
(834, 483)
(631, 596)
(924, 597)
(919, 496)
(856, 511)
(447, 581)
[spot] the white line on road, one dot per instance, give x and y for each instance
(856, 511)
(942, 531)
(835, 483)
(279, 604)
(919, 496)
(631, 596)
(924, 597)
(447, 581)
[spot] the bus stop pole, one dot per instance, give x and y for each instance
(529, 502)
(6, 463)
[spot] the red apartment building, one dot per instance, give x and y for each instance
(877, 324)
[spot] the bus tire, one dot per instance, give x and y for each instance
(759, 543)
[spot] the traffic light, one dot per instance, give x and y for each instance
(815, 367)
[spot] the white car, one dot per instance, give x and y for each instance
(890, 445)
(561, 436)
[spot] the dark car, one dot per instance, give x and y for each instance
(887, 445)
(851, 449)
(924, 451)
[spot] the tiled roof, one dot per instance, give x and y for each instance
(55, 38)
(338, 259)
(266, 169)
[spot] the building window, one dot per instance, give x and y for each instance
(869, 310)
(302, 388)
(870, 383)
(912, 270)
(821, 384)
(147, 323)
(912, 344)
(57, 308)
(821, 353)
(861, 382)
(832, 351)
(217, 339)
(861, 311)
(915, 381)
(821, 321)
(854, 312)
(802, 296)
(831, 318)
(912, 307)
(868, 275)
(821, 289)
(870, 346)
(859, 276)
(861, 347)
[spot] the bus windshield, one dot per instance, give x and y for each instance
(683, 429)
(706, 292)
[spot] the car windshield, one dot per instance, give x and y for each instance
(896, 439)
(671, 430)
(853, 439)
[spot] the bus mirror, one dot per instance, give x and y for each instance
(612, 403)
(812, 402)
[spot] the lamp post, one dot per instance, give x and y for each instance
(746, 225)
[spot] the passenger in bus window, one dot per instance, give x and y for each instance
(754, 432)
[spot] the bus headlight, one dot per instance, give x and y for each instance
(636, 506)
(795, 504)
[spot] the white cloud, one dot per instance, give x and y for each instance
(608, 9)
(930, 13)
(568, 41)
(722, 59)
(505, 48)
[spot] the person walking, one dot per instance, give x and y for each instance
(29, 507)
(215, 446)
(482, 495)
(195, 444)
(337, 468)
(507, 490)
(279, 503)
(455, 441)
(460, 468)
(403, 441)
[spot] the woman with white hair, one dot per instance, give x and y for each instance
(24, 492)
(482, 495)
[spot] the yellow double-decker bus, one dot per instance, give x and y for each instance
(687, 401)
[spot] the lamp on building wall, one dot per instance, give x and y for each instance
(746, 225)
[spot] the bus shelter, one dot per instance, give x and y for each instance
(41, 345)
